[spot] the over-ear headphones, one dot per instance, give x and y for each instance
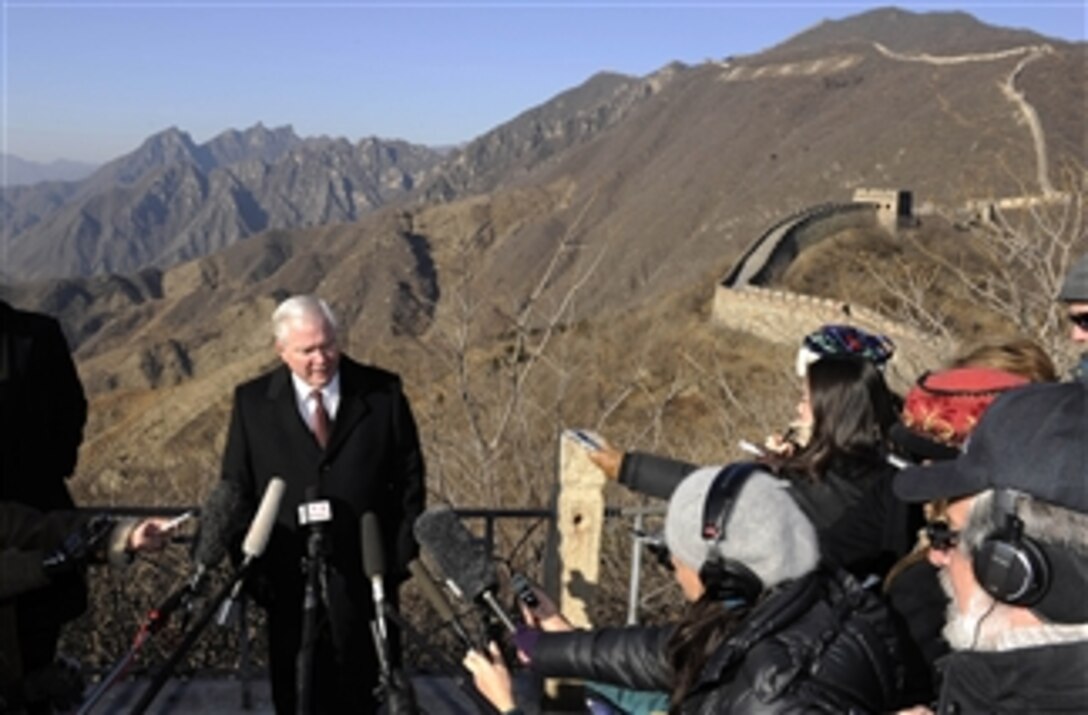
(724, 578)
(1009, 566)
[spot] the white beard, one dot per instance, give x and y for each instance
(979, 626)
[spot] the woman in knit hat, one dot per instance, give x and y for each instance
(828, 341)
(848, 410)
(766, 629)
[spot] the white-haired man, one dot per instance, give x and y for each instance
(1013, 554)
(337, 432)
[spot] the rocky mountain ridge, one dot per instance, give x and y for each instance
(18, 171)
(609, 234)
(173, 200)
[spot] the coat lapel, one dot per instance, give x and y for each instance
(353, 406)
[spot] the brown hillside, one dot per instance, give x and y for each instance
(576, 291)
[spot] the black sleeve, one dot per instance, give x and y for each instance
(410, 488)
(632, 657)
(652, 475)
(237, 467)
(26, 534)
(51, 360)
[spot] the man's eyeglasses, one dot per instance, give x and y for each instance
(941, 536)
(1079, 319)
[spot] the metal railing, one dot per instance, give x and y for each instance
(243, 670)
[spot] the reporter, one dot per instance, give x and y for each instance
(36, 548)
(839, 477)
(36, 551)
(767, 628)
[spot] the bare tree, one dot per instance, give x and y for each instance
(1012, 261)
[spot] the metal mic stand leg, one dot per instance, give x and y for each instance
(164, 671)
(395, 691)
(115, 673)
(316, 597)
(154, 621)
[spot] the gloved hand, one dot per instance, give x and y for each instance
(525, 639)
(77, 546)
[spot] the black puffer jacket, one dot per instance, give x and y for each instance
(819, 644)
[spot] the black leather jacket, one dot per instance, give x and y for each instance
(820, 644)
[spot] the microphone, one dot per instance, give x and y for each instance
(260, 529)
(218, 526)
(374, 565)
(434, 596)
(463, 559)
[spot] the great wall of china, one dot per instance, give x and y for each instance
(742, 301)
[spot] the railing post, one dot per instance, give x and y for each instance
(580, 520)
(636, 572)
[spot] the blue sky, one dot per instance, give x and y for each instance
(89, 80)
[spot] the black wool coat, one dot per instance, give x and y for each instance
(372, 463)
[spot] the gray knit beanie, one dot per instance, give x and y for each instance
(1075, 287)
(767, 531)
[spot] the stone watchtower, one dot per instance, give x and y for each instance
(893, 207)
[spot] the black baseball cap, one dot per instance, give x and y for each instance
(1032, 439)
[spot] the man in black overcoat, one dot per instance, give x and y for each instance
(42, 414)
(371, 461)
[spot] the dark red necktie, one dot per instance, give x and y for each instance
(321, 419)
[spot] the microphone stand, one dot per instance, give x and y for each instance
(394, 690)
(164, 671)
(154, 621)
(316, 596)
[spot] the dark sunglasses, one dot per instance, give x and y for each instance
(1079, 319)
(941, 537)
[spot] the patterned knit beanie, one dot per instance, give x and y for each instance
(838, 340)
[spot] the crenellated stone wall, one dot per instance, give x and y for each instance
(741, 303)
(771, 254)
(785, 317)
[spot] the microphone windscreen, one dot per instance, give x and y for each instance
(219, 512)
(261, 527)
(371, 534)
(462, 558)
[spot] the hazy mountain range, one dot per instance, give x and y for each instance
(22, 171)
(602, 205)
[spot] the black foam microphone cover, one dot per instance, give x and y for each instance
(462, 558)
(219, 519)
